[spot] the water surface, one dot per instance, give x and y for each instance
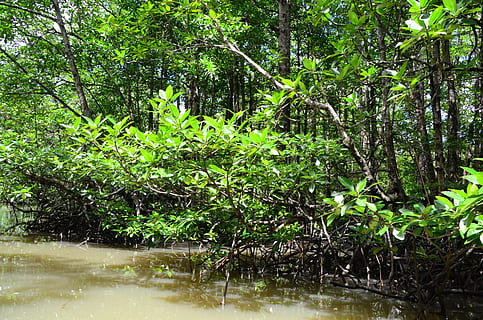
(62, 280)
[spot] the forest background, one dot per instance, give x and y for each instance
(320, 138)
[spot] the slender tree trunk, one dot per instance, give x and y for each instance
(435, 84)
(242, 84)
(193, 102)
(369, 131)
(70, 57)
(453, 156)
(251, 102)
(394, 181)
(284, 51)
(236, 88)
(230, 98)
(477, 124)
(424, 159)
(152, 88)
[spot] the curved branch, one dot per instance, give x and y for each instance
(14, 6)
(70, 57)
(346, 139)
(47, 90)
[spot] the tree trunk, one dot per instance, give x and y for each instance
(477, 125)
(424, 159)
(369, 130)
(70, 57)
(317, 106)
(284, 51)
(453, 156)
(394, 187)
(435, 84)
(193, 102)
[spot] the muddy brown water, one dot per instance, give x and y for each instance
(62, 280)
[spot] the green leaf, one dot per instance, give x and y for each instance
(361, 185)
(217, 169)
(474, 176)
(212, 14)
(212, 122)
(353, 17)
(382, 231)
(436, 16)
(140, 135)
(398, 234)
(372, 206)
(169, 92)
(450, 5)
(346, 183)
(77, 123)
(173, 109)
(310, 64)
(445, 201)
(399, 87)
(361, 202)
(414, 4)
(146, 156)
(454, 195)
(289, 83)
(255, 136)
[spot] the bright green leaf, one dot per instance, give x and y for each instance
(450, 5)
(353, 17)
(169, 92)
(436, 16)
(309, 64)
(147, 156)
(372, 206)
(346, 183)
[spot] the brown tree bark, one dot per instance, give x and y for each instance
(284, 51)
(424, 159)
(453, 162)
(477, 124)
(72, 62)
(193, 97)
(394, 187)
(435, 86)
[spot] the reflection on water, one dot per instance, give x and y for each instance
(59, 280)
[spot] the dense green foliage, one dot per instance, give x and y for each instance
(146, 122)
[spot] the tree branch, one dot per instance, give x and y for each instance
(14, 6)
(70, 57)
(47, 90)
(346, 139)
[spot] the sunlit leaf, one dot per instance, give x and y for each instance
(436, 16)
(346, 183)
(169, 93)
(450, 5)
(146, 155)
(309, 64)
(398, 234)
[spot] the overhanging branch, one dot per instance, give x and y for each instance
(47, 90)
(327, 107)
(14, 6)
